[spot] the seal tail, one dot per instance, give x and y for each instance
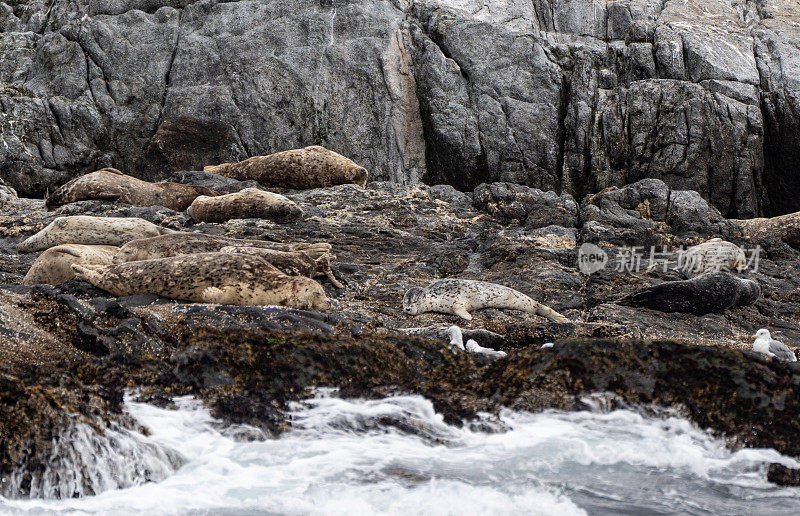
(546, 311)
(216, 169)
(84, 273)
(538, 308)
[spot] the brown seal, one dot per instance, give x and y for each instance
(245, 204)
(54, 266)
(298, 169)
(784, 227)
(110, 184)
(218, 278)
(295, 263)
(174, 244)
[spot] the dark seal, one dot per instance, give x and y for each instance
(713, 292)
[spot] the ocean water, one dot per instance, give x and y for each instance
(397, 456)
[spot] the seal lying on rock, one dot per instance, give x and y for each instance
(295, 263)
(713, 256)
(784, 227)
(85, 229)
(245, 204)
(217, 278)
(178, 243)
(110, 184)
(459, 297)
(54, 266)
(712, 292)
(298, 169)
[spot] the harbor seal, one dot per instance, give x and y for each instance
(216, 278)
(459, 297)
(54, 266)
(784, 227)
(714, 255)
(298, 169)
(294, 263)
(712, 292)
(85, 229)
(109, 184)
(174, 244)
(245, 204)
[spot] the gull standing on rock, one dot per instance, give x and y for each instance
(764, 344)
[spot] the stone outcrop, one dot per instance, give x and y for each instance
(569, 96)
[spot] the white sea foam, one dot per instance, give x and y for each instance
(398, 456)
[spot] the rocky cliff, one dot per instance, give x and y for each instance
(563, 95)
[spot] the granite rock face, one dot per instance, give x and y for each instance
(570, 96)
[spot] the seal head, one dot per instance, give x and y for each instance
(412, 300)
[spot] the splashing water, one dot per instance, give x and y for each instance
(397, 456)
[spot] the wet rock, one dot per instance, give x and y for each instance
(783, 476)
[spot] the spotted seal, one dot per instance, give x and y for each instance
(216, 278)
(54, 266)
(714, 255)
(174, 244)
(459, 297)
(295, 263)
(298, 169)
(245, 204)
(713, 292)
(109, 184)
(85, 229)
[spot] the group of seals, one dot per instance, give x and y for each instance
(217, 278)
(460, 296)
(109, 184)
(194, 267)
(247, 203)
(298, 169)
(74, 248)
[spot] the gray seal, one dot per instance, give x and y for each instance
(460, 296)
(713, 292)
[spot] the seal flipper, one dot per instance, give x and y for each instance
(546, 311)
(220, 296)
(107, 196)
(460, 311)
(84, 273)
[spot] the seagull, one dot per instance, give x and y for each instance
(456, 340)
(473, 347)
(547, 345)
(764, 344)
